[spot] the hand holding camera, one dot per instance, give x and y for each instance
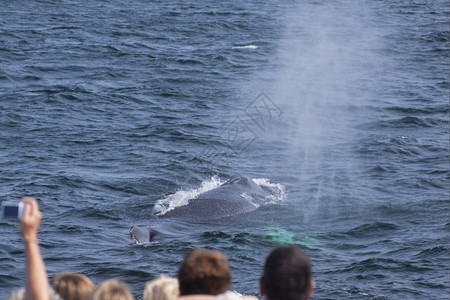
(27, 212)
(31, 219)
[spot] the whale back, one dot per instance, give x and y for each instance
(237, 195)
(210, 209)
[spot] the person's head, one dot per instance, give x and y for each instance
(112, 289)
(20, 295)
(162, 288)
(204, 272)
(73, 286)
(287, 275)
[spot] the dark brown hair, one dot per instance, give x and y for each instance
(287, 274)
(204, 272)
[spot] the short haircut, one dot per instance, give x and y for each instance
(287, 274)
(204, 272)
(162, 288)
(73, 286)
(112, 289)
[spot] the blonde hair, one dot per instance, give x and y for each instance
(112, 289)
(162, 288)
(20, 295)
(73, 286)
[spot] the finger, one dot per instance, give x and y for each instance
(27, 210)
(31, 203)
(31, 208)
(29, 200)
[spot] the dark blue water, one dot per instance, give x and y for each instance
(107, 107)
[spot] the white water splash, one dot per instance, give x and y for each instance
(245, 47)
(182, 197)
(276, 193)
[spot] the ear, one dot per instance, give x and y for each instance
(261, 287)
(312, 285)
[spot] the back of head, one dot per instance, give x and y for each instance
(20, 295)
(204, 272)
(73, 286)
(287, 274)
(112, 289)
(162, 288)
(17, 295)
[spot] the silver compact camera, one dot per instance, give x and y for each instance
(12, 210)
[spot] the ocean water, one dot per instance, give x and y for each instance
(108, 108)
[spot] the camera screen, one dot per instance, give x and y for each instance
(10, 211)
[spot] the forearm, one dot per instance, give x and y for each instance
(36, 282)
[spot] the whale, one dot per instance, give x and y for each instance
(236, 196)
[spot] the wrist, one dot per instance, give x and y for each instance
(30, 239)
(29, 234)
